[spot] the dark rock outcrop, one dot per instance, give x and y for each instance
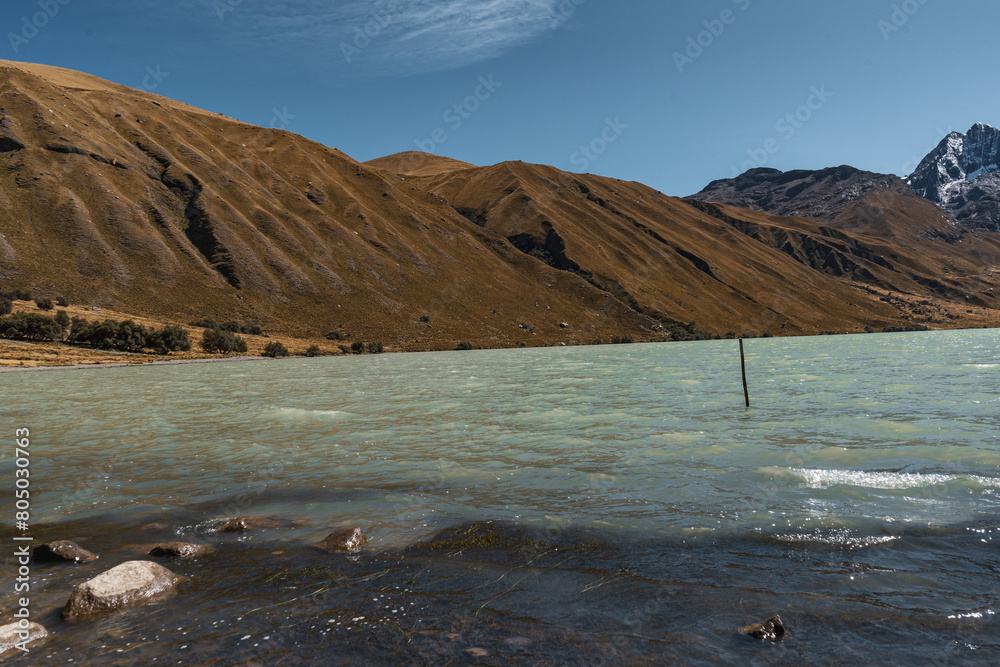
(180, 550)
(771, 629)
(347, 540)
(63, 550)
(242, 524)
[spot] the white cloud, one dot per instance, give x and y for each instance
(396, 36)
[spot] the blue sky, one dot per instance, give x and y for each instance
(672, 94)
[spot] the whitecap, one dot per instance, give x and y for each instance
(821, 479)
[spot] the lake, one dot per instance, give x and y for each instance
(587, 505)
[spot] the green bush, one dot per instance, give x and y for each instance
(216, 341)
(314, 351)
(6, 306)
(16, 295)
(375, 348)
(124, 336)
(275, 349)
(62, 319)
(238, 328)
(231, 327)
(30, 326)
(44, 304)
(464, 345)
(337, 335)
(169, 339)
(357, 347)
(62, 302)
(622, 340)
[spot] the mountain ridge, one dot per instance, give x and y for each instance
(125, 200)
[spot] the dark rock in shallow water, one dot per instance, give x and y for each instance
(348, 540)
(772, 629)
(242, 524)
(13, 634)
(63, 550)
(130, 583)
(179, 549)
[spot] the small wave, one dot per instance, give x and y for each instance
(840, 538)
(897, 481)
(298, 413)
(982, 365)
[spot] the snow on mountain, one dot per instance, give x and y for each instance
(962, 176)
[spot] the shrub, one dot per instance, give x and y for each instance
(62, 302)
(30, 326)
(275, 349)
(622, 340)
(44, 304)
(216, 341)
(62, 319)
(206, 323)
(6, 306)
(170, 339)
(375, 348)
(337, 335)
(314, 351)
(424, 318)
(16, 295)
(464, 345)
(344, 349)
(358, 347)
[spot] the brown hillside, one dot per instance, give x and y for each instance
(121, 199)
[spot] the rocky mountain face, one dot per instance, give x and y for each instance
(852, 199)
(962, 176)
(117, 198)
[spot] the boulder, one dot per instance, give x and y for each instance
(772, 629)
(179, 549)
(63, 550)
(132, 582)
(242, 524)
(14, 633)
(346, 540)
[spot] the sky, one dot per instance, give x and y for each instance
(673, 94)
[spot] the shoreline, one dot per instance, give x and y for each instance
(120, 364)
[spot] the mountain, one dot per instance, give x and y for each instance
(121, 199)
(908, 241)
(962, 176)
(850, 199)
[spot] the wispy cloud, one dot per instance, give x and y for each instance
(396, 36)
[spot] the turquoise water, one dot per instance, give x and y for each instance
(861, 484)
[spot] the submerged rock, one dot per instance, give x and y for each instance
(179, 549)
(349, 540)
(63, 550)
(242, 524)
(130, 583)
(772, 629)
(13, 634)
